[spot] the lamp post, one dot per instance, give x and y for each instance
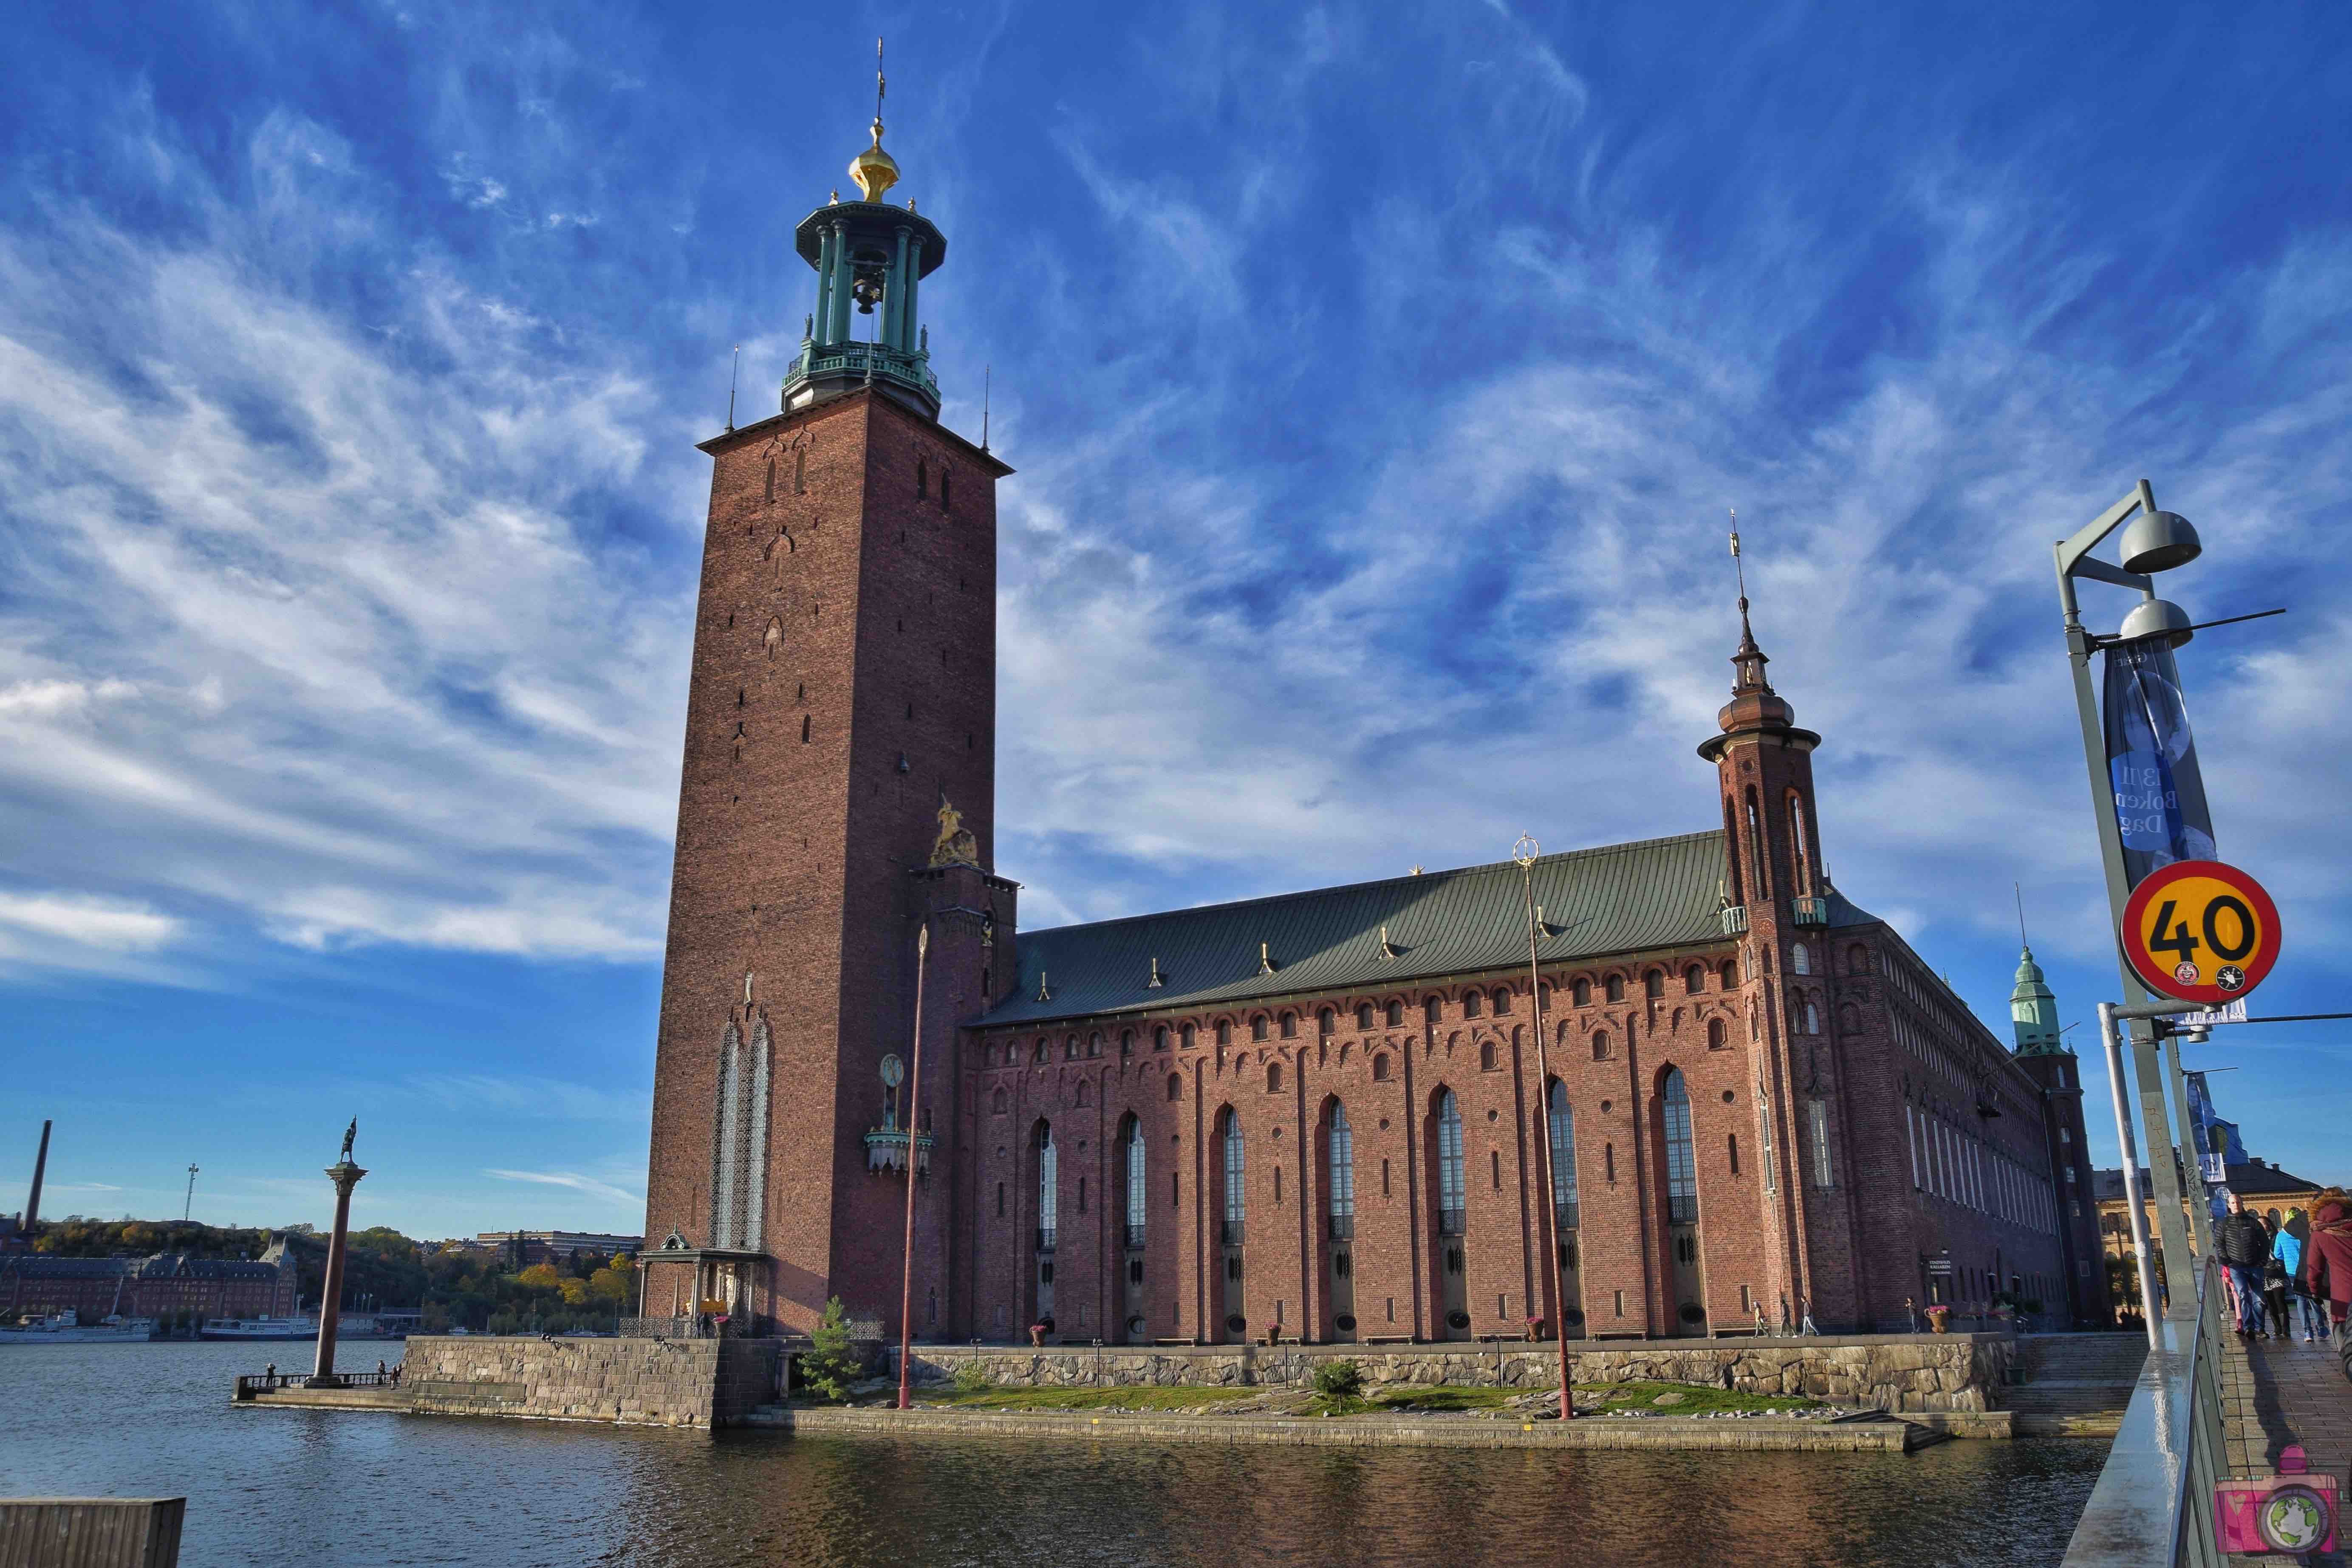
(914, 1091)
(2154, 542)
(1524, 852)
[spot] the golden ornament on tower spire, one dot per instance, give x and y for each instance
(873, 172)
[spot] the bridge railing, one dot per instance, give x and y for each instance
(2153, 1499)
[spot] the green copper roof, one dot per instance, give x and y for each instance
(2034, 1011)
(1621, 897)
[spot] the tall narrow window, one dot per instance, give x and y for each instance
(799, 472)
(1563, 1157)
(1449, 1165)
(772, 478)
(1136, 1196)
(1803, 845)
(1047, 1166)
(1762, 862)
(1341, 1143)
(923, 478)
(1764, 1135)
(1235, 1189)
(1681, 1170)
(945, 499)
(1732, 893)
(1801, 960)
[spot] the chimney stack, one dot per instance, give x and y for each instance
(40, 1168)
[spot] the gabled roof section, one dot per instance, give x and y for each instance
(1620, 897)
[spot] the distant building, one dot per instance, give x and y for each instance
(35, 1283)
(526, 1247)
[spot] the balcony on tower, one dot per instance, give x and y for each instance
(870, 258)
(1810, 910)
(886, 1148)
(1734, 920)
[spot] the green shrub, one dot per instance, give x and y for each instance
(971, 1377)
(1339, 1379)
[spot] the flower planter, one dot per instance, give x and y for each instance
(1037, 1335)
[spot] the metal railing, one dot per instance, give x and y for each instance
(1807, 911)
(251, 1383)
(709, 1326)
(2153, 1502)
(1734, 920)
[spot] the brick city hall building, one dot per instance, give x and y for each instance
(1319, 1115)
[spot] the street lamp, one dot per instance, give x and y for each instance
(1524, 853)
(2154, 542)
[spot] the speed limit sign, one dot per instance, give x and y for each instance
(2198, 930)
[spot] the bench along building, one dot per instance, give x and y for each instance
(1319, 1114)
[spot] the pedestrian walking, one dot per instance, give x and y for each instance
(2294, 1240)
(2327, 1261)
(2275, 1282)
(2244, 1247)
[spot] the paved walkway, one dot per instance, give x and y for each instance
(2277, 1392)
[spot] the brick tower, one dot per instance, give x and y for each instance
(1777, 897)
(838, 797)
(2042, 1052)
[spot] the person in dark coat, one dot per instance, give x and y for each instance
(2327, 1257)
(2245, 1250)
(2275, 1282)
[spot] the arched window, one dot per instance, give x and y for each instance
(1396, 1015)
(799, 472)
(1380, 1067)
(1653, 983)
(1290, 1026)
(1186, 1037)
(1731, 841)
(1681, 1170)
(1433, 1009)
(1502, 1002)
(1449, 1164)
(1175, 1086)
(1601, 1046)
(923, 478)
(1695, 979)
(1081, 1097)
(996, 1103)
(1715, 1041)
(1582, 992)
(1801, 960)
(1070, 1048)
(1469, 1004)
(1225, 1032)
(1797, 836)
(1563, 1156)
(1257, 1027)
(772, 478)
(1486, 1055)
(1094, 1043)
(1616, 988)
(1364, 1017)
(1756, 849)
(1048, 1184)
(1126, 1042)
(1327, 1022)
(1134, 1190)
(945, 499)
(1230, 1133)
(1039, 1054)
(1273, 1078)
(772, 641)
(1812, 1017)
(1340, 1144)
(1732, 1144)
(1731, 974)
(1159, 1038)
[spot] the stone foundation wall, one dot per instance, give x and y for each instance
(659, 1382)
(1897, 1373)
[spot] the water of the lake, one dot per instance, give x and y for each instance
(310, 1486)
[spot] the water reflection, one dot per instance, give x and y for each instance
(285, 1487)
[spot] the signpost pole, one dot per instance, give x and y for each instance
(2132, 1204)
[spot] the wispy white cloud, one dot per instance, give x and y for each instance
(603, 1191)
(555, 1098)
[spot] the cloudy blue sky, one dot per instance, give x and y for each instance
(1377, 378)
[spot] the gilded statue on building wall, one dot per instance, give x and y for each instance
(955, 846)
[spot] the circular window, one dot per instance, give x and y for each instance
(1345, 1323)
(1135, 1327)
(1047, 1323)
(1693, 1312)
(1726, 1097)
(1457, 1319)
(1236, 1325)
(1573, 1316)
(1604, 1105)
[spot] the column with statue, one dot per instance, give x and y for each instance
(345, 1175)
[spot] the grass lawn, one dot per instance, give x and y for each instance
(1138, 1397)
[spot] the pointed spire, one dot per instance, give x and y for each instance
(1751, 661)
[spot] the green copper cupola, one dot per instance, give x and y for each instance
(2034, 1011)
(870, 258)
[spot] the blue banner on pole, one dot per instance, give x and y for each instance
(2160, 794)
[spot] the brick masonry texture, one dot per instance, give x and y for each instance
(1850, 1119)
(1902, 1374)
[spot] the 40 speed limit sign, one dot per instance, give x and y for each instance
(2198, 930)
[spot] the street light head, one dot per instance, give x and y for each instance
(2157, 618)
(2159, 540)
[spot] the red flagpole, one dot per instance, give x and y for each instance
(914, 1087)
